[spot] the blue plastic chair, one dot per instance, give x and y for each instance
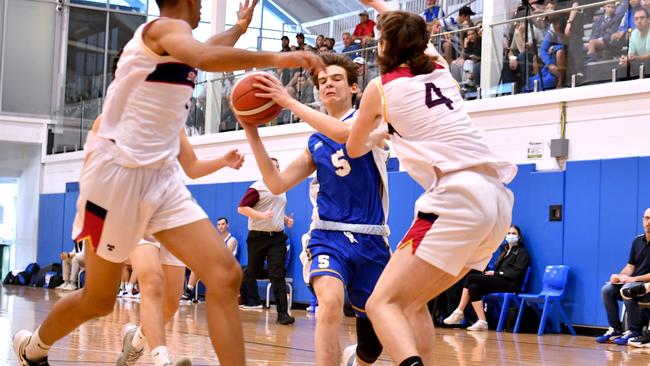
(555, 281)
(505, 298)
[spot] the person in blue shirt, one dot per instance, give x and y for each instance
(432, 11)
(347, 250)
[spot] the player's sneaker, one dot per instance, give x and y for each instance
(641, 341)
(622, 340)
(480, 325)
(350, 356)
(250, 307)
(183, 361)
(455, 318)
(609, 336)
(634, 291)
(285, 319)
(63, 286)
(20, 341)
(129, 354)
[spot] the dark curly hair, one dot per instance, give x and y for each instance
(404, 38)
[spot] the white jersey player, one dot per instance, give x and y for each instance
(465, 210)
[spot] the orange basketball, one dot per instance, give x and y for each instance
(249, 108)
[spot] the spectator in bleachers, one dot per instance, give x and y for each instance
(330, 42)
(601, 32)
(323, 49)
(300, 40)
(350, 46)
(303, 87)
(453, 43)
(639, 46)
(553, 53)
(319, 41)
(472, 56)
(636, 271)
(507, 276)
(72, 262)
(228, 121)
(625, 12)
(365, 30)
(285, 44)
(433, 11)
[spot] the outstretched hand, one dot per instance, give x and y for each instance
(305, 59)
(273, 89)
(245, 14)
(233, 159)
(379, 5)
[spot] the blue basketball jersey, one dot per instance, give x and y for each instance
(350, 189)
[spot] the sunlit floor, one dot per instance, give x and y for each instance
(98, 342)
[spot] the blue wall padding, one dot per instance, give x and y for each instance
(50, 228)
(602, 200)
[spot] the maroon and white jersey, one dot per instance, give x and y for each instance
(430, 128)
(146, 105)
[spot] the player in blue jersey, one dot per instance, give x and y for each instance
(348, 248)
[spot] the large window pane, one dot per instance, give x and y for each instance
(85, 58)
(137, 6)
(120, 30)
(28, 58)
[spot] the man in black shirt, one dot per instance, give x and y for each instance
(636, 271)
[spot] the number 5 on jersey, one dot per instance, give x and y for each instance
(323, 261)
(341, 164)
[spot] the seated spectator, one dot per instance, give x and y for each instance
(350, 46)
(636, 271)
(323, 49)
(472, 56)
(553, 53)
(507, 276)
(639, 46)
(624, 12)
(365, 30)
(330, 42)
(304, 88)
(319, 41)
(432, 11)
(601, 33)
(640, 292)
(285, 44)
(452, 45)
(223, 230)
(72, 262)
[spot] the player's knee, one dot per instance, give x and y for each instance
(223, 279)
(330, 309)
(373, 305)
(152, 285)
(369, 347)
(97, 306)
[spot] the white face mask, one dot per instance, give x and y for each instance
(512, 238)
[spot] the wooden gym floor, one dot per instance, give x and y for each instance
(98, 342)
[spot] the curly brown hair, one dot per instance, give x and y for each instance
(404, 37)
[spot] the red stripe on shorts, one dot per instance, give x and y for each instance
(418, 230)
(94, 217)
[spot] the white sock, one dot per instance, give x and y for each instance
(160, 356)
(36, 349)
(122, 286)
(139, 340)
(129, 288)
(190, 287)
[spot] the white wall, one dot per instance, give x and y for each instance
(23, 161)
(603, 121)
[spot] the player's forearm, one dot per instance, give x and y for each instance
(227, 38)
(224, 59)
(271, 175)
(203, 167)
(327, 125)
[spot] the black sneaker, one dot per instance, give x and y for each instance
(285, 319)
(641, 341)
(634, 291)
(188, 294)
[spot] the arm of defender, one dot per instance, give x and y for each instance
(370, 113)
(278, 182)
(175, 38)
(378, 5)
(196, 168)
(232, 35)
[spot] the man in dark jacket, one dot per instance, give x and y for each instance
(601, 32)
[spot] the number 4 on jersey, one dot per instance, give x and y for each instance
(432, 88)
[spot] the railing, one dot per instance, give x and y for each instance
(520, 69)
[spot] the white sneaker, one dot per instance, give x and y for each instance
(455, 318)
(181, 362)
(71, 287)
(350, 356)
(20, 340)
(63, 286)
(480, 325)
(129, 354)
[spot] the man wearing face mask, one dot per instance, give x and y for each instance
(507, 276)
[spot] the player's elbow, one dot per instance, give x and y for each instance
(276, 188)
(241, 210)
(354, 152)
(341, 137)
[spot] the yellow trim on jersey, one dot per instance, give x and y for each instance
(358, 309)
(405, 244)
(309, 256)
(384, 103)
(325, 270)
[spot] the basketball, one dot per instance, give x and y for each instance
(249, 108)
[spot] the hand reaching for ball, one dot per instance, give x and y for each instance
(305, 59)
(273, 89)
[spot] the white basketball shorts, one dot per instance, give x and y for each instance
(166, 257)
(460, 221)
(118, 206)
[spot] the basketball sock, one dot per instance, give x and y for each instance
(129, 288)
(189, 287)
(160, 356)
(139, 340)
(36, 349)
(412, 361)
